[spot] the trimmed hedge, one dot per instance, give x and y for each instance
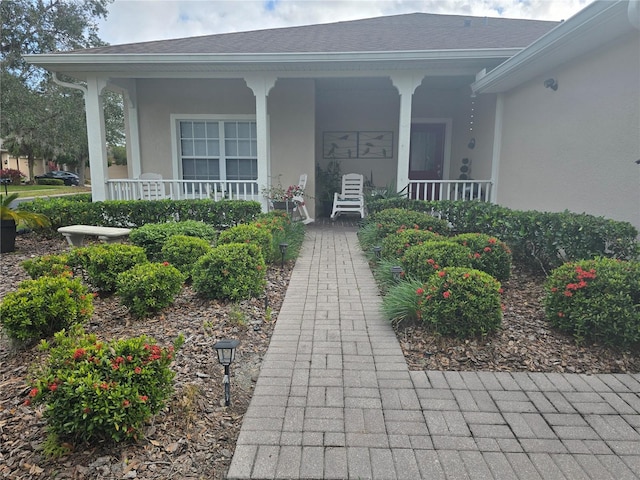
(70, 210)
(539, 240)
(153, 236)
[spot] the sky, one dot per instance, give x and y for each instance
(143, 20)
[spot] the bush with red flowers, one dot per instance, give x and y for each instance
(94, 390)
(597, 300)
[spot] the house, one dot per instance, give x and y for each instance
(528, 114)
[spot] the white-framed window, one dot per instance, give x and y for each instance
(217, 149)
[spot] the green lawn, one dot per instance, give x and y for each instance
(41, 190)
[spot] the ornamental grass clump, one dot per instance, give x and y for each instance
(149, 287)
(420, 262)
(596, 300)
(487, 254)
(232, 271)
(48, 266)
(39, 308)
(461, 302)
(183, 251)
(396, 244)
(248, 233)
(95, 391)
(103, 263)
(401, 301)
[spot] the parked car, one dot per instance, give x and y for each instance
(69, 178)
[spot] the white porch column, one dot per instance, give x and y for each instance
(133, 132)
(406, 84)
(96, 137)
(261, 86)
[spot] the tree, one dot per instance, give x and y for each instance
(40, 118)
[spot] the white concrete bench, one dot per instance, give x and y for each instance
(75, 233)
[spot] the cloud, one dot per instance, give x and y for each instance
(143, 20)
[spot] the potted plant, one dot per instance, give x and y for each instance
(279, 197)
(11, 218)
(328, 181)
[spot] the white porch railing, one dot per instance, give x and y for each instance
(128, 189)
(450, 190)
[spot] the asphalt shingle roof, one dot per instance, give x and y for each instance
(409, 32)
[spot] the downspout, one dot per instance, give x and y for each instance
(83, 89)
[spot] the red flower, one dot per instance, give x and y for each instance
(492, 241)
(476, 255)
(27, 402)
(126, 403)
(143, 398)
(53, 387)
(487, 249)
(568, 294)
(79, 353)
(419, 291)
(166, 264)
(129, 358)
(446, 294)
(560, 314)
(441, 273)
(137, 370)
(33, 392)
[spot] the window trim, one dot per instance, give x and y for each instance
(176, 118)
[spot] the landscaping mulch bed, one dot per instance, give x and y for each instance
(525, 342)
(194, 437)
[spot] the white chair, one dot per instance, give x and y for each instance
(351, 200)
(152, 187)
(299, 203)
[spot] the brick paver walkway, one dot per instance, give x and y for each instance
(335, 398)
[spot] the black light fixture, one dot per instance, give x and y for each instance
(283, 252)
(226, 350)
(397, 272)
(377, 249)
(551, 83)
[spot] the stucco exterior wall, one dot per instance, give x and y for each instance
(575, 148)
(159, 98)
(292, 131)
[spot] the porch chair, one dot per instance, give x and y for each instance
(152, 188)
(351, 200)
(299, 203)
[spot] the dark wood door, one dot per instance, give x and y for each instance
(426, 158)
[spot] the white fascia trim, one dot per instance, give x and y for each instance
(87, 59)
(600, 16)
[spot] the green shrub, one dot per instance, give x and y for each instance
(283, 230)
(231, 271)
(183, 252)
(422, 261)
(47, 266)
(597, 300)
(152, 236)
(78, 209)
(149, 287)
(95, 391)
(538, 240)
(41, 307)
(393, 219)
(402, 301)
(104, 262)
(49, 181)
(396, 244)
(461, 302)
(248, 233)
(488, 254)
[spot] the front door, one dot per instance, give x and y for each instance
(426, 158)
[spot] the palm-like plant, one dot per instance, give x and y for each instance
(20, 217)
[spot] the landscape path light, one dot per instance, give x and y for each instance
(283, 252)
(377, 249)
(226, 350)
(397, 272)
